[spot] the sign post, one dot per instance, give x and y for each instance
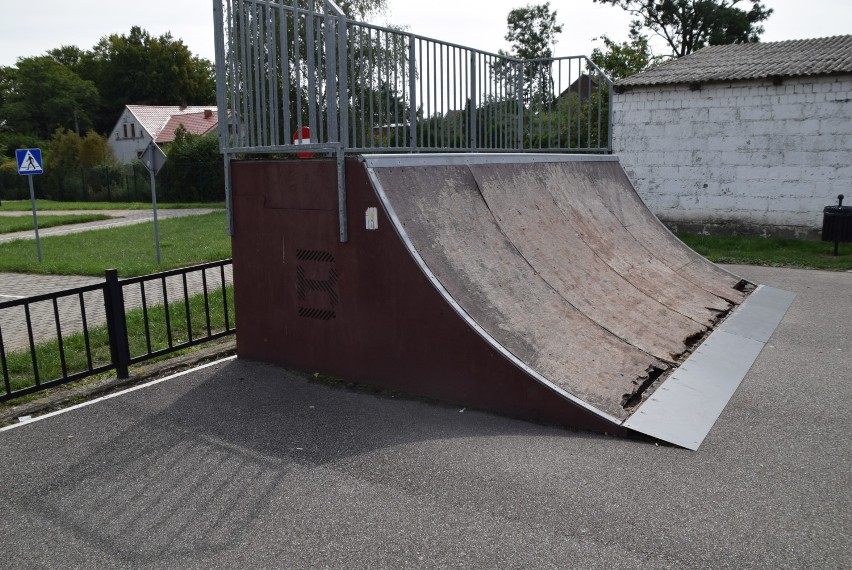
(29, 163)
(154, 158)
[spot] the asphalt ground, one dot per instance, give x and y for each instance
(244, 465)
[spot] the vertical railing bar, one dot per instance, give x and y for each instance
(432, 96)
(272, 59)
(167, 314)
(32, 343)
(439, 100)
(59, 342)
(6, 380)
(206, 301)
(297, 68)
(558, 103)
(589, 114)
(262, 56)
(388, 61)
(396, 90)
(86, 341)
(145, 322)
(234, 73)
(186, 308)
(257, 87)
(331, 65)
(245, 75)
(412, 92)
(472, 119)
(225, 298)
(361, 85)
(457, 119)
(579, 106)
(371, 93)
(310, 48)
(379, 111)
(550, 97)
(284, 55)
(421, 62)
(344, 97)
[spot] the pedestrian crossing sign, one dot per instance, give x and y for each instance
(29, 161)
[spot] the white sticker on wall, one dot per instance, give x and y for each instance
(372, 218)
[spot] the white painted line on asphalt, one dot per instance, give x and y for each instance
(116, 394)
(13, 296)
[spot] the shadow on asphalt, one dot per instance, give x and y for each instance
(191, 469)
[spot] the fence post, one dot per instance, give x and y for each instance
(116, 324)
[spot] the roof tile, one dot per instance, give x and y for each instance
(790, 58)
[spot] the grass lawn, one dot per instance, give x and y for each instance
(9, 224)
(47, 205)
(20, 367)
(773, 252)
(129, 249)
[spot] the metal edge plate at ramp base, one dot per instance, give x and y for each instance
(686, 406)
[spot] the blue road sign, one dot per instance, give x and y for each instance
(29, 161)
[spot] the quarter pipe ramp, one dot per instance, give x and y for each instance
(534, 285)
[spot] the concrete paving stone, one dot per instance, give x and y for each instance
(13, 322)
(43, 323)
(119, 218)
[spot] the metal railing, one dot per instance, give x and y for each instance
(67, 335)
(287, 64)
(297, 76)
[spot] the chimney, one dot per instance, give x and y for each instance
(208, 113)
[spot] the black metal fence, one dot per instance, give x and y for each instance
(51, 339)
(177, 182)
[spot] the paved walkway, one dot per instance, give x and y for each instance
(14, 286)
(118, 218)
(42, 316)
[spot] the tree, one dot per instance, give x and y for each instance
(363, 8)
(625, 59)
(94, 150)
(40, 95)
(141, 69)
(532, 32)
(687, 25)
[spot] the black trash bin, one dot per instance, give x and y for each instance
(837, 223)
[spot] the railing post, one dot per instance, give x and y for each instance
(116, 324)
(412, 93)
(473, 134)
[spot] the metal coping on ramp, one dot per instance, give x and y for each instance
(689, 402)
(443, 159)
(684, 408)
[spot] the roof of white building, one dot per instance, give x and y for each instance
(156, 119)
(792, 58)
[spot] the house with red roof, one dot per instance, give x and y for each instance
(138, 125)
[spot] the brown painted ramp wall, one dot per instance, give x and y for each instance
(363, 311)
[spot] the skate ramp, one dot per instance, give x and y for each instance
(560, 263)
(538, 286)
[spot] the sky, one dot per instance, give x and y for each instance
(33, 28)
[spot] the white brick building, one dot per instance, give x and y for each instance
(741, 138)
(138, 125)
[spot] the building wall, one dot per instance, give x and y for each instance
(745, 156)
(128, 139)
